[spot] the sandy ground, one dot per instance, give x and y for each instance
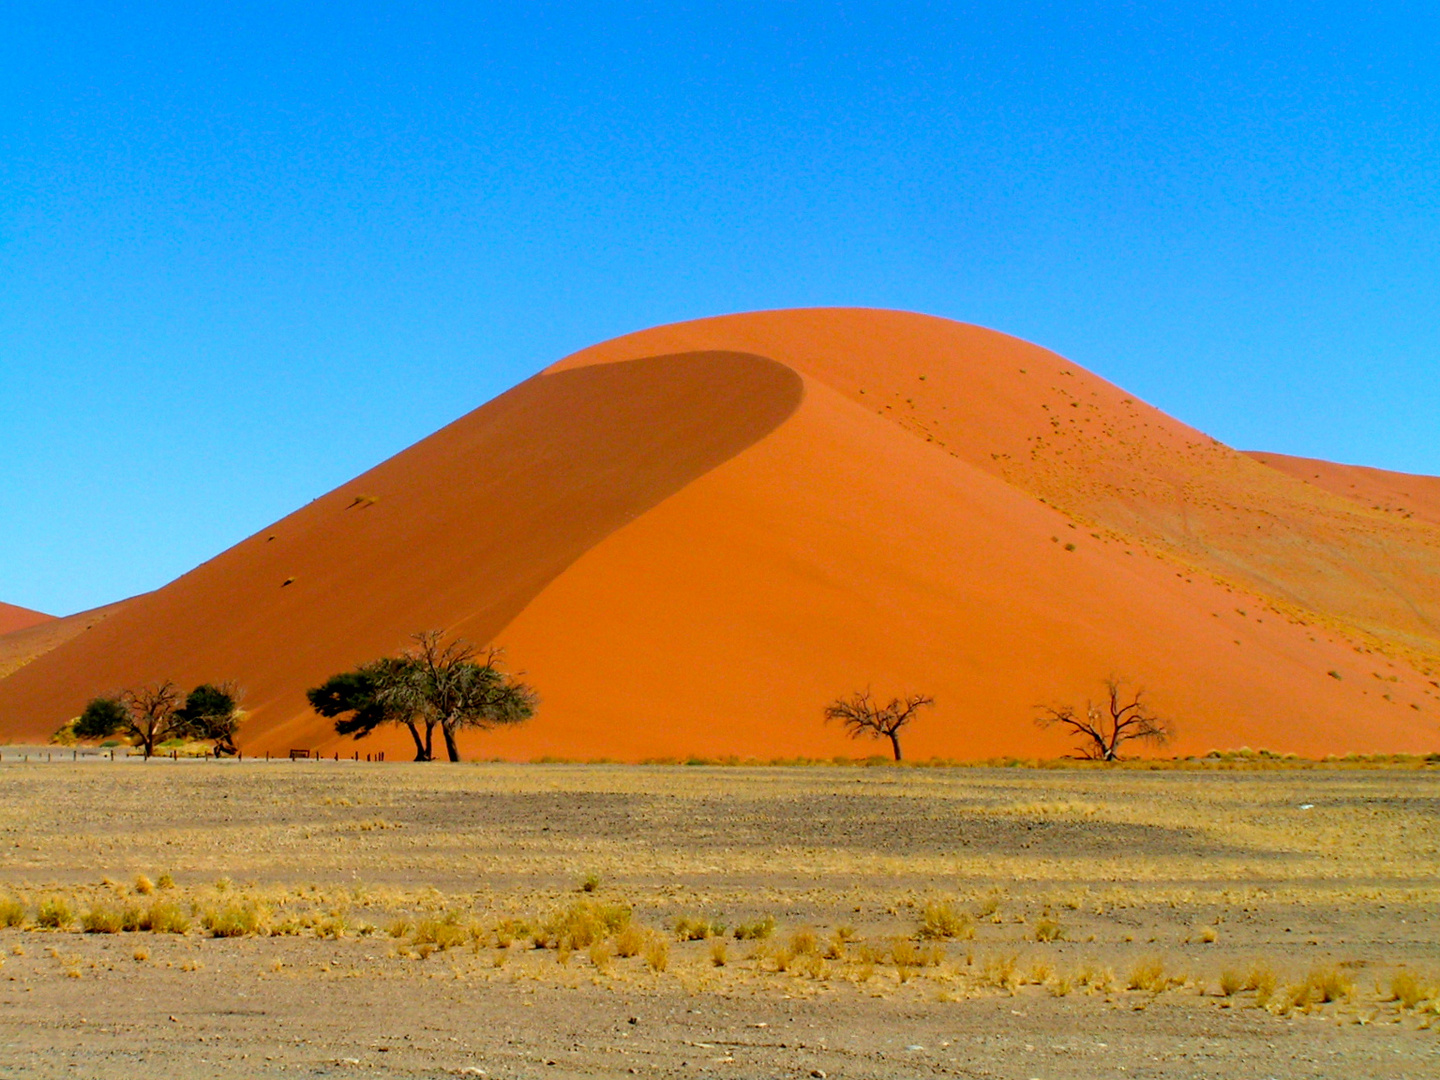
(340, 867)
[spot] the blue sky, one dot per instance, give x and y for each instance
(249, 250)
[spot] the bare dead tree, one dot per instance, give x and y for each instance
(1105, 727)
(153, 713)
(863, 715)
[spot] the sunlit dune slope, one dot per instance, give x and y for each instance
(17, 618)
(1401, 495)
(691, 538)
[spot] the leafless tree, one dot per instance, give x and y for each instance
(863, 715)
(153, 713)
(1105, 727)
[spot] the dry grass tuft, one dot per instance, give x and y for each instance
(443, 932)
(110, 919)
(1231, 982)
(630, 941)
(718, 952)
(1000, 971)
(1049, 930)
(582, 924)
(695, 928)
(1148, 975)
(657, 953)
(1322, 985)
(12, 912)
(1407, 989)
(756, 929)
(941, 922)
(54, 913)
(235, 919)
(601, 954)
(1262, 979)
(143, 885)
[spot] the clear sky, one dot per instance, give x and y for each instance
(249, 250)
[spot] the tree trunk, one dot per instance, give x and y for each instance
(419, 744)
(450, 746)
(895, 742)
(430, 740)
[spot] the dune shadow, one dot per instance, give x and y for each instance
(509, 496)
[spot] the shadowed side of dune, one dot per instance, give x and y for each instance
(465, 527)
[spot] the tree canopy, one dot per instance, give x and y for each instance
(211, 712)
(431, 685)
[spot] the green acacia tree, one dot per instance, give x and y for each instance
(428, 687)
(103, 717)
(212, 713)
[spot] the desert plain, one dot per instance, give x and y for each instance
(541, 920)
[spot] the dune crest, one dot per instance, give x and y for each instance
(693, 537)
(14, 618)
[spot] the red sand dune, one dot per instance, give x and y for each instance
(693, 537)
(19, 647)
(17, 618)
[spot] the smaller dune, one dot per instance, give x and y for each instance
(18, 618)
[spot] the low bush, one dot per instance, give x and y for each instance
(689, 928)
(941, 922)
(756, 929)
(12, 912)
(1148, 975)
(164, 917)
(235, 919)
(54, 913)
